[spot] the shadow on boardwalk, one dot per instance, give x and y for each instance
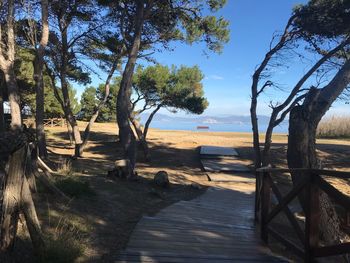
(215, 227)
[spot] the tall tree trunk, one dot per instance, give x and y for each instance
(98, 108)
(268, 140)
(301, 153)
(65, 92)
(149, 120)
(140, 136)
(126, 134)
(7, 68)
(255, 128)
(39, 81)
(14, 99)
(69, 132)
(2, 113)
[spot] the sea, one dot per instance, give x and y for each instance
(214, 127)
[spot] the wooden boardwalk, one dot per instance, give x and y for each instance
(215, 227)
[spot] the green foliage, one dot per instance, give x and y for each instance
(108, 112)
(88, 102)
(166, 21)
(325, 18)
(24, 71)
(91, 97)
(176, 88)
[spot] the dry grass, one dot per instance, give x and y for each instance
(334, 127)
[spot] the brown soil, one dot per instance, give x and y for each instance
(106, 219)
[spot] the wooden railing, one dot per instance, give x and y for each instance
(54, 122)
(307, 244)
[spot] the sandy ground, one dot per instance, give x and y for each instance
(109, 217)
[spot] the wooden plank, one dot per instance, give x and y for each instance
(218, 151)
(222, 165)
(220, 222)
(135, 256)
(226, 177)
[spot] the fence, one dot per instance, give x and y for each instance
(308, 234)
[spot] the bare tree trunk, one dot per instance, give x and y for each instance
(65, 92)
(11, 200)
(70, 132)
(284, 108)
(268, 140)
(126, 134)
(149, 120)
(32, 155)
(140, 136)
(2, 114)
(98, 108)
(7, 64)
(14, 99)
(255, 128)
(302, 143)
(39, 81)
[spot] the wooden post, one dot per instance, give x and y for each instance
(257, 196)
(312, 216)
(51, 123)
(265, 205)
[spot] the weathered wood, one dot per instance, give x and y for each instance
(332, 173)
(215, 227)
(32, 221)
(312, 218)
(44, 166)
(288, 198)
(265, 205)
(218, 151)
(11, 199)
(313, 214)
(287, 212)
(289, 244)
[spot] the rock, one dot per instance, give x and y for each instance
(121, 163)
(161, 179)
(196, 186)
(122, 168)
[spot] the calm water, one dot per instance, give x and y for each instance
(223, 127)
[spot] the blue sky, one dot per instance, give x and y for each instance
(228, 75)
